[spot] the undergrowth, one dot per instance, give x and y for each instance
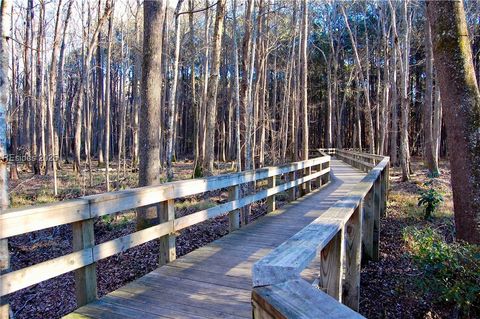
(450, 271)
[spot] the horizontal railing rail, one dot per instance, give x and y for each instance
(348, 231)
(81, 212)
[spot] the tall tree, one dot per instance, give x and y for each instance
(430, 156)
(363, 82)
(52, 84)
(5, 17)
(212, 89)
(173, 94)
(304, 79)
(461, 101)
(236, 88)
(108, 6)
(39, 93)
(80, 93)
(149, 142)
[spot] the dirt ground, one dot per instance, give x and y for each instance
(388, 288)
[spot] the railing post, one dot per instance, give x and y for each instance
(387, 188)
(368, 223)
(292, 191)
(307, 186)
(325, 177)
(234, 216)
(85, 277)
(167, 243)
(271, 199)
(319, 178)
(376, 219)
(331, 267)
(353, 248)
(4, 267)
(384, 191)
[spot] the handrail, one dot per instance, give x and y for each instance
(337, 236)
(81, 212)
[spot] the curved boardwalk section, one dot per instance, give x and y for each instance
(215, 281)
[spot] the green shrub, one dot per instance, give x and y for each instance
(431, 199)
(451, 272)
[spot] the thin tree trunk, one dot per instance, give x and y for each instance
(110, 4)
(136, 85)
(437, 122)
(59, 87)
(39, 94)
(212, 89)
(173, 95)
(4, 94)
(51, 95)
(430, 158)
(237, 89)
(304, 82)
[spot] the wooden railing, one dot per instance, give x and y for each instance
(339, 237)
(81, 212)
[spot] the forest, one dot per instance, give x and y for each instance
(107, 95)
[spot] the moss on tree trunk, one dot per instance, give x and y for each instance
(461, 101)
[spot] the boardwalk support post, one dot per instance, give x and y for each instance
(376, 219)
(383, 199)
(292, 191)
(85, 277)
(318, 181)
(331, 267)
(368, 224)
(167, 242)
(234, 216)
(353, 247)
(271, 198)
(307, 187)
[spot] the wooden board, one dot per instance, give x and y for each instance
(215, 281)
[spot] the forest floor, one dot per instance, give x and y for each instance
(56, 297)
(388, 287)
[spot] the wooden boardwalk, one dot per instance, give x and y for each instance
(215, 281)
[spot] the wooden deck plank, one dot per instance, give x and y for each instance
(215, 281)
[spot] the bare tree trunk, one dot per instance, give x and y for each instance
(149, 143)
(386, 83)
(199, 160)
(237, 89)
(39, 94)
(4, 94)
(51, 95)
(109, 4)
(437, 123)
(136, 85)
(461, 99)
(27, 84)
(173, 95)
(212, 89)
(100, 90)
(15, 134)
(394, 111)
(405, 109)
(79, 95)
(59, 87)
(430, 158)
(304, 82)
(364, 83)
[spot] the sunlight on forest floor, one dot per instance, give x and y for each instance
(32, 189)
